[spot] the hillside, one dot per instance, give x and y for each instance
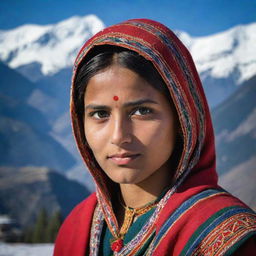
(240, 181)
(235, 130)
(235, 127)
(24, 131)
(25, 191)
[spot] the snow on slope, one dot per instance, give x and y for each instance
(226, 52)
(26, 249)
(55, 46)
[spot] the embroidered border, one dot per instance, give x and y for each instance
(133, 246)
(221, 232)
(96, 229)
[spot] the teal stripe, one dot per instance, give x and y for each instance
(183, 208)
(207, 227)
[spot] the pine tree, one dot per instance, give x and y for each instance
(53, 227)
(39, 233)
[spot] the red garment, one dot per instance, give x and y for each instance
(195, 217)
(74, 235)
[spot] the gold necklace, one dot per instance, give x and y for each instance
(129, 216)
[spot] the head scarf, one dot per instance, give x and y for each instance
(194, 201)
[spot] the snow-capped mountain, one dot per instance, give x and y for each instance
(232, 52)
(221, 54)
(54, 47)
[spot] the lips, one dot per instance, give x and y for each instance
(123, 159)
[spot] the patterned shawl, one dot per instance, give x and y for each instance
(188, 217)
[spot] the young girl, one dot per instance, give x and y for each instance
(143, 128)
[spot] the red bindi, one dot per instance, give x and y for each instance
(115, 98)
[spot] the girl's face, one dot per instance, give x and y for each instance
(129, 125)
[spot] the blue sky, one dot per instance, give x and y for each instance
(197, 17)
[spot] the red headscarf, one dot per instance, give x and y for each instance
(158, 44)
(196, 171)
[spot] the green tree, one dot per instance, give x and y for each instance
(39, 233)
(53, 227)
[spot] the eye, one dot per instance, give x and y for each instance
(100, 114)
(142, 111)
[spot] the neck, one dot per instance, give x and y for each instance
(142, 197)
(138, 195)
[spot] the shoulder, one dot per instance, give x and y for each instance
(74, 233)
(203, 205)
(200, 205)
(210, 215)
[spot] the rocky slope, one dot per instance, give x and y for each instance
(25, 191)
(235, 127)
(240, 181)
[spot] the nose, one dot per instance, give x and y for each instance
(121, 131)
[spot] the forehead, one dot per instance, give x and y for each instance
(118, 81)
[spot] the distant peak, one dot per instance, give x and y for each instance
(54, 46)
(223, 54)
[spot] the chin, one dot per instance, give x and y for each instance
(125, 177)
(124, 180)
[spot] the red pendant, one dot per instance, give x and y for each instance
(117, 245)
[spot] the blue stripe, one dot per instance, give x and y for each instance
(185, 206)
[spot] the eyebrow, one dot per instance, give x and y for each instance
(127, 104)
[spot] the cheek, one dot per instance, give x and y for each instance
(157, 134)
(91, 139)
(162, 147)
(96, 138)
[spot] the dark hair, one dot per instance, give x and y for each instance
(104, 56)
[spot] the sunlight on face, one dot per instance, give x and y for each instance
(132, 137)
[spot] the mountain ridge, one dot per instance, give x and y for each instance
(24, 131)
(216, 55)
(46, 44)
